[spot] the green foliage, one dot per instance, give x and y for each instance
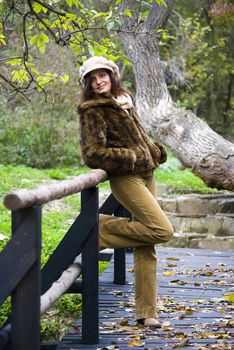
(4, 311)
(50, 328)
(38, 133)
(198, 59)
(170, 174)
(56, 321)
(71, 25)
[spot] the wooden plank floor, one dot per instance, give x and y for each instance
(192, 305)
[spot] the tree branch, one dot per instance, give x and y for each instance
(158, 16)
(50, 8)
(43, 22)
(9, 58)
(129, 22)
(15, 89)
(25, 55)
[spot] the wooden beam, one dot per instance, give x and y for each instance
(60, 286)
(25, 198)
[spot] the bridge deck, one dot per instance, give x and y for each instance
(193, 308)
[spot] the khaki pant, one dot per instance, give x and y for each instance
(150, 226)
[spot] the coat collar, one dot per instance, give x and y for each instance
(97, 102)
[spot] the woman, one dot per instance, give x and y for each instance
(113, 139)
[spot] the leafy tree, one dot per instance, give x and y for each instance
(27, 28)
(190, 138)
(198, 57)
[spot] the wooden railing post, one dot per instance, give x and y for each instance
(119, 254)
(90, 278)
(119, 266)
(25, 318)
(111, 206)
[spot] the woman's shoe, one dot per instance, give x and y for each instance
(149, 322)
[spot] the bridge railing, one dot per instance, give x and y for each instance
(20, 267)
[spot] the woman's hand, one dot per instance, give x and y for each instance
(162, 149)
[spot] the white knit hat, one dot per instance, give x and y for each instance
(97, 62)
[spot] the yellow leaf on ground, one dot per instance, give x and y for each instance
(168, 273)
(135, 342)
(229, 297)
(189, 312)
(166, 326)
(206, 335)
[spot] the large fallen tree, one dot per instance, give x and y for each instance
(197, 146)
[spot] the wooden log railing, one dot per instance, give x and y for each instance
(20, 269)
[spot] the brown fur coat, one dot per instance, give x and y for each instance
(113, 140)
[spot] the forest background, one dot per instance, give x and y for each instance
(197, 55)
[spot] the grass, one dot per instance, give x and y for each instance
(170, 174)
(57, 218)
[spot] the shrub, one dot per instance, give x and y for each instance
(39, 137)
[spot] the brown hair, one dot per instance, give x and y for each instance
(116, 88)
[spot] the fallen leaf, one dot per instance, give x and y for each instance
(135, 342)
(221, 310)
(181, 344)
(180, 282)
(176, 259)
(207, 273)
(181, 307)
(168, 273)
(189, 312)
(229, 297)
(222, 336)
(76, 328)
(166, 326)
(196, 284)
(206, 335)
(130, 269)
(199, 301)
(230, 323)
(109, 347)
(124, 322)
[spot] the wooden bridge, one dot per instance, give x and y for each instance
(194, 307)
(195, 296)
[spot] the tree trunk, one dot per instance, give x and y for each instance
(193, 142)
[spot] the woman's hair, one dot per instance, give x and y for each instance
(116, 88)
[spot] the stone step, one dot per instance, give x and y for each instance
(208, 214)
(196, 204)
(217, 225)
(204, 241)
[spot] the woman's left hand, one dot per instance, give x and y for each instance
(162, 149)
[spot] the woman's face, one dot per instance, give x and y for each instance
(100, 81)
